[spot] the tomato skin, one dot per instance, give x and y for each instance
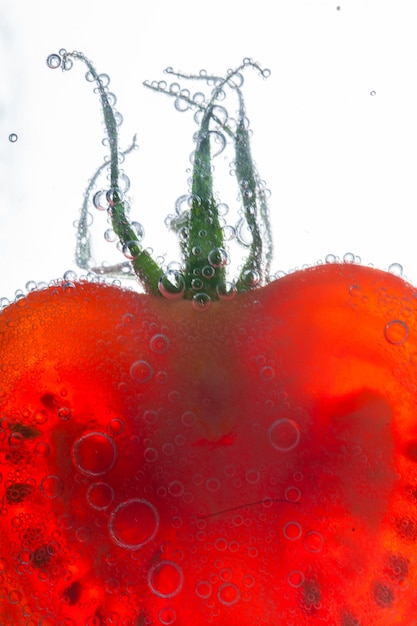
(251, 464)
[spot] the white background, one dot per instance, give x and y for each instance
(341, 163)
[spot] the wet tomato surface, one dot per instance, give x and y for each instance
(255, 464)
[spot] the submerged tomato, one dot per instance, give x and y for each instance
(255, 464)
(200, 458)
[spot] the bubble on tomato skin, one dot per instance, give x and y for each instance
(100, 495)
(292, 494)
(51, 487)
(165, 579)
(141, 371)
(64, 413)
(267, 373)
(167, 616)
(42, 449)
(159, 343)
(396, 332)
(313, 541)
(228, 594)
(201, 301)
(284, 434)
(94, 453)
(252, 476)
(133, 523)
(295, 578)
(292, 530)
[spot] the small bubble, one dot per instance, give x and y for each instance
(13, 137)
(313, 541)
(172, 285)
(203, 589)
(284, 434)
(114, 196)
(94, 453)
(51, 487)
(251, 278)
(133, 523)
(355, 291)
(100, 496)
(292, 531)
(292, 494)
(295, 578)
(167, 616)
(396, 332)
(110, 235)
(64, 413)
(165, 579)
(53, 61)
(99, 200)
(373, 93)
(396, 269)
(217, 257)
(228, 594)
(176, 488)
(159, 344)
(253, 476)
(226, 291)
(267, 373)
(141, 371)
(349, 257)
(201, 301)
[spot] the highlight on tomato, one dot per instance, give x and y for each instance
(210, 450)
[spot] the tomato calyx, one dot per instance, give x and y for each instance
(200, 227)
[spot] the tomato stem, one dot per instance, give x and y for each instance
(203, 276)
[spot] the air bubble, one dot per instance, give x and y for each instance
(165, 579)
(228, 594)
(217, 257)
(226, 291)
(396, 269)
(133, 523)
(99, 201)
(203, 589)
(251, 278)
(13, 137)
(201, 301)
(100, 496)
(172, 285)
(53, 61)
(396, 332)
(64, 413)
(159, 344)
(349, 257)
(313, 541)
(51, 487)
(167, 616)
(141, 371)
(114, 196)
(295, 578)
(284, 434)
(110, 235)
(292, 531)
(94, 453)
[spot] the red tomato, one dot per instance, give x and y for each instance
(239, 462)
(255, 464)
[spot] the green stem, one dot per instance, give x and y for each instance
(204, 257)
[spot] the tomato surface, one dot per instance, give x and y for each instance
(255, 463)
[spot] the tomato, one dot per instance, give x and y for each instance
(245, 461)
